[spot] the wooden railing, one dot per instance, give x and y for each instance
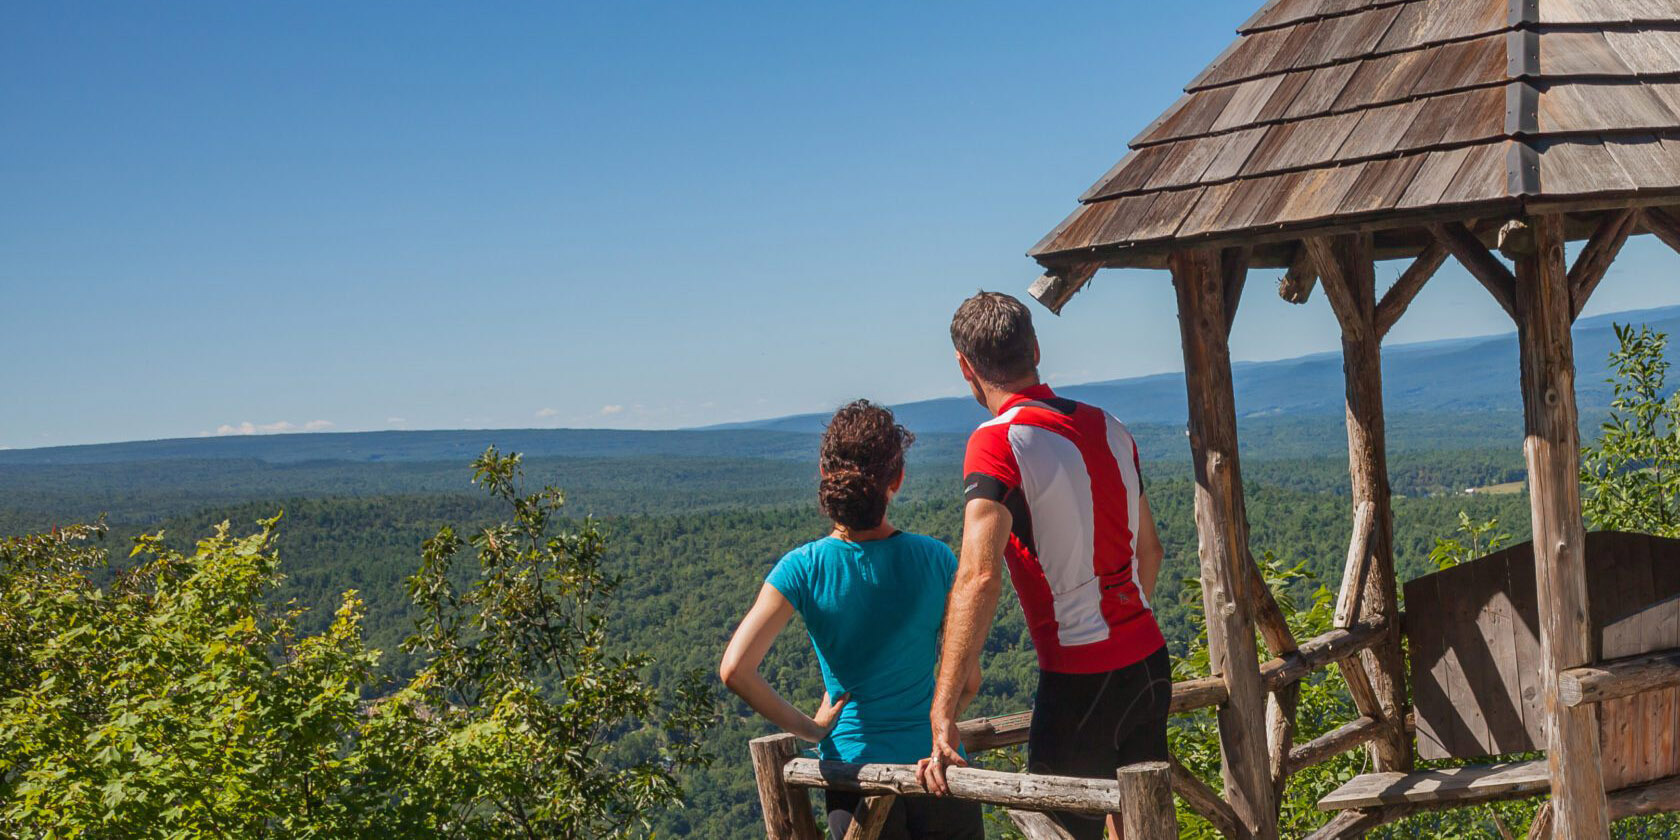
(1141, 794)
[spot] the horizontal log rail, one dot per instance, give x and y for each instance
(991, 733)
(1319, 651)
(1333, 743)
(1619, 678)
(1024, 791)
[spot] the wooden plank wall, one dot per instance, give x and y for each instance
(1474, 641)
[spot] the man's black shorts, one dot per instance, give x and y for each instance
(1090, 725)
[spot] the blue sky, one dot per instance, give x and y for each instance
(218, 217)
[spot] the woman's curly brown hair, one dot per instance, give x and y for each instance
(862, 455)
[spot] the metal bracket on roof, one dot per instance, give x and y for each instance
(1522, 109)
(1523, 12)
(1522, 53)
(1522, 168)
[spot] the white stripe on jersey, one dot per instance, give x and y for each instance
(1121, 444)
(1058, 493)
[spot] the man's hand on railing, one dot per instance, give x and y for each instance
(930, 771)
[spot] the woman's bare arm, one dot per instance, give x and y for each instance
(739, 671)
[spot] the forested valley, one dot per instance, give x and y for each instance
(690, 539)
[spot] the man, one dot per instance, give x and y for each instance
(1052, 486)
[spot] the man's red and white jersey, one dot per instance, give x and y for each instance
(1068, 472)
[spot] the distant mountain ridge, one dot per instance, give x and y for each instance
(1454, 376)
(1457, 377)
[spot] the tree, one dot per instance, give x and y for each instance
(172, 697)
(1631, 475)
(509, 731)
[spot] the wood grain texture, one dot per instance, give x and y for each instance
(1318, 652)
(1348, 264)
(1480, 262)
(1222, 529)
(1146, 811)
(1553, 449)
(1595, 259)
(1400, 295)
(1457, 785)
(787, 811)
(1664, 225)
(1206, 802)
(871, 817)
(1359, 731)
(1010, 790)
(1036, 826)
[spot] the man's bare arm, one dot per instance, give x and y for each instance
(1149, 550)
(968, 617)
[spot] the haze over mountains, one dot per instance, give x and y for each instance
(1460, 377)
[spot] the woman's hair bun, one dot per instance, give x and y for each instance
(862, 455)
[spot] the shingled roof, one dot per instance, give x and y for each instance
(1383, 113)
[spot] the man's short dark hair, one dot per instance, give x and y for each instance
(995, 333)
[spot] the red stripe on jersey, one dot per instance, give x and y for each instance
(1075, 577)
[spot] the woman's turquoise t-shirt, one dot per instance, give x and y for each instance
(874, 610)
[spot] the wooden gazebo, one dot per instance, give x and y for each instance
(1334, 133)
(1329, 135)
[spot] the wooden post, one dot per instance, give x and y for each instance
(1348, 266)
(1553, 450)
(1146, 804)
(787, 810)
(1222, 530)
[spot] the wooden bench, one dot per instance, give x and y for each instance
(1474, 647)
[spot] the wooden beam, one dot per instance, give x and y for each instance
(1233, 264)
(1341, 286)
(1146, 811)
(1454, 785)
(1010, 790)
(1358, 558)
(1036, 826)
(1595, 259)
(1198, 693)
(1663, 225)
(1553, 450)
(1541, 827)
(1378, 682)
(1281, 707)
(991, 733)
(1319, 651)
(871, 817)
(787, 811)
(1205, 801)
(1354, 823)
(1333, 743)
(1268, 616)
(1619, 678)
(1297, 283)
(1058, 285)
(1222, 528)
(1655, 797)
(1480, 262)
(1400, 295)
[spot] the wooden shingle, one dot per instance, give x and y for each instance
(1327, 113)
(1646, 52)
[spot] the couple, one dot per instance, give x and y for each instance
(1051, 486)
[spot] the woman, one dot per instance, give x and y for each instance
(873, 599)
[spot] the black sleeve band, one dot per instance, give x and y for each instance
(982, 486)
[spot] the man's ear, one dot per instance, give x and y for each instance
(1035, 352)
(967, 369)
(896, 483)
